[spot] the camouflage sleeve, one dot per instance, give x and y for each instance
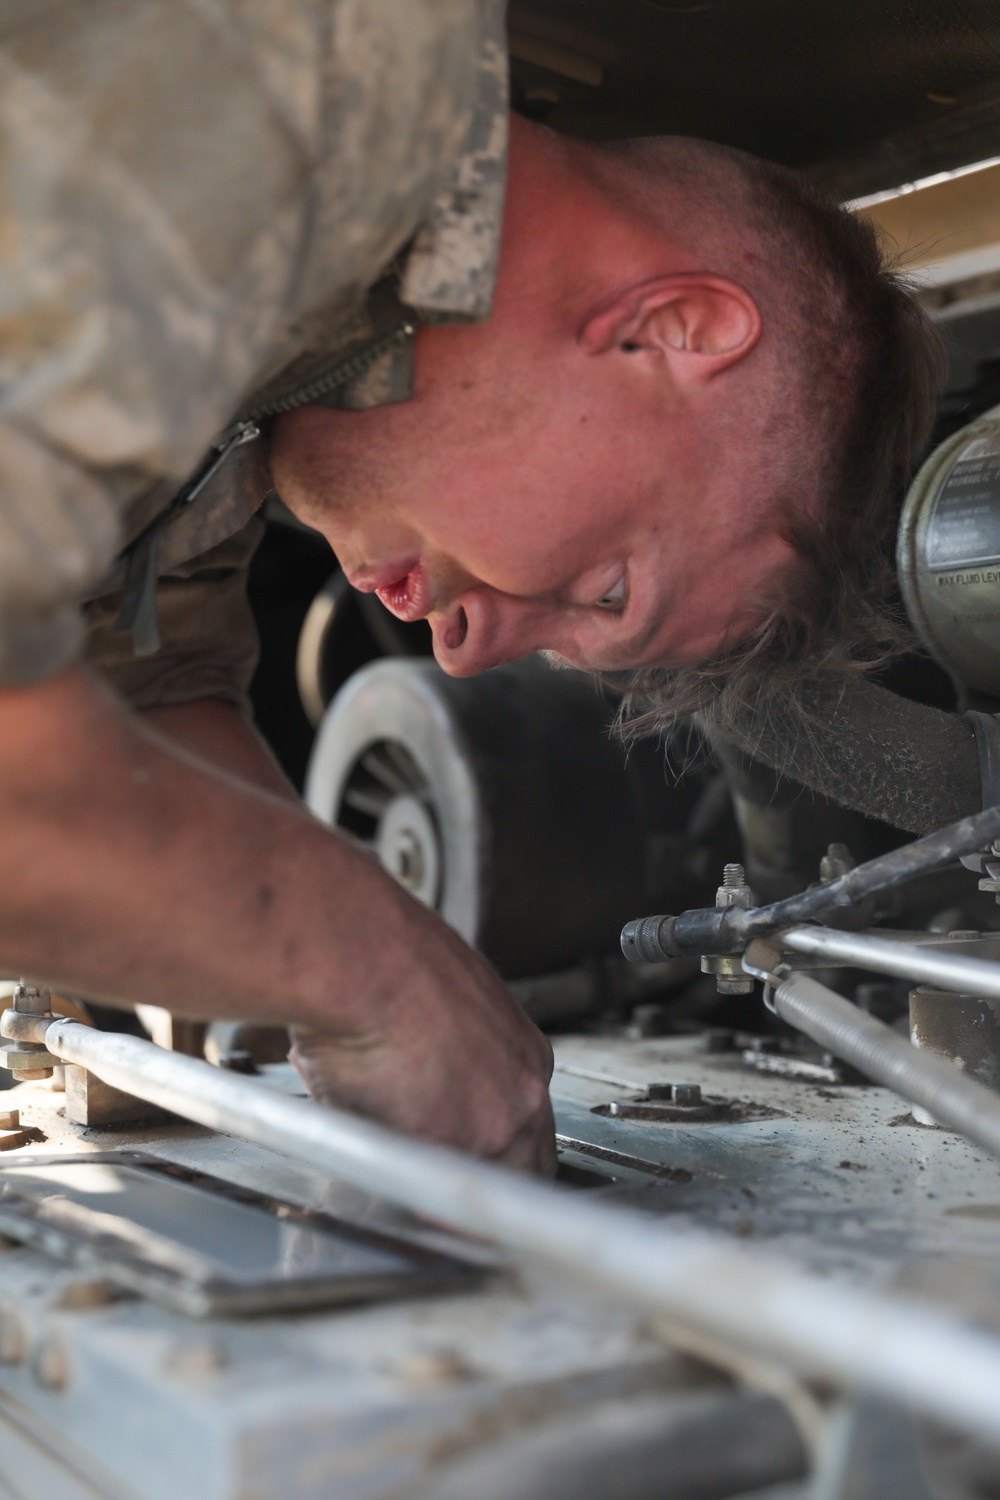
(194, 194)
(209, 641)
(58, 528)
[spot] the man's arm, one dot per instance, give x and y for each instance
(218, 733)
(135, 870)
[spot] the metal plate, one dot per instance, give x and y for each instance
(202, 1246)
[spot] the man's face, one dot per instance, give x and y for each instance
(532, 497)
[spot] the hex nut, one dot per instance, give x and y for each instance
(686, 1093)
(26, 1058)
(10, 1119)
(675, 1093)
(734, 986)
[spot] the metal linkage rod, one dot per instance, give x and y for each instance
(729, 929)
(876, 1050)
(884, 1344)
(947, 971)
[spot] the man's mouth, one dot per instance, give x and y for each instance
(403, 588)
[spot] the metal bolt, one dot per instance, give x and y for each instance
(675, 1093)
(687, 1093)
(29, 1000)
(734, 890)
(728, 967)
(26, 1059)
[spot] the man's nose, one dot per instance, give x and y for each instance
(481, 629)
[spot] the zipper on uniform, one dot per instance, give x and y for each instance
(138, 611)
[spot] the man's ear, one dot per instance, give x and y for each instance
(700, 324)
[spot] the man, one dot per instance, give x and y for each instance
(270, 232)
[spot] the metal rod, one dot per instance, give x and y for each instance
(750, 1300)
(729, 929)
(948, 971)
(876, 1050)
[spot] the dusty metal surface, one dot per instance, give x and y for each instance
(839, 1176)
(135, 1400)
(119, 1399)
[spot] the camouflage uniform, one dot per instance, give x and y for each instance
(196, 199)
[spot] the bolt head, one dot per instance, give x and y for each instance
(686, 1093)
(674, 1093)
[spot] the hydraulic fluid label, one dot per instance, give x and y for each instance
(964, 527)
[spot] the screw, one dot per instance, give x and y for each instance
(730, 978)
(734, 890)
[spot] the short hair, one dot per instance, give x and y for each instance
(867, 364)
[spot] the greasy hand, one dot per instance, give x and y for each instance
(450, 1057)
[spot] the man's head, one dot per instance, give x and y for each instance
(691, 406)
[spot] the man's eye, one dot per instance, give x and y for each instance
(614, 598)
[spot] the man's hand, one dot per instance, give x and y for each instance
(134, 869)
(455, 1061)
(454, 1058)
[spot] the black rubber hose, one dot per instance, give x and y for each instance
(871, 751)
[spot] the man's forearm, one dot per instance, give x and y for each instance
(132, 869)
(218, 734)
(136, 873)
